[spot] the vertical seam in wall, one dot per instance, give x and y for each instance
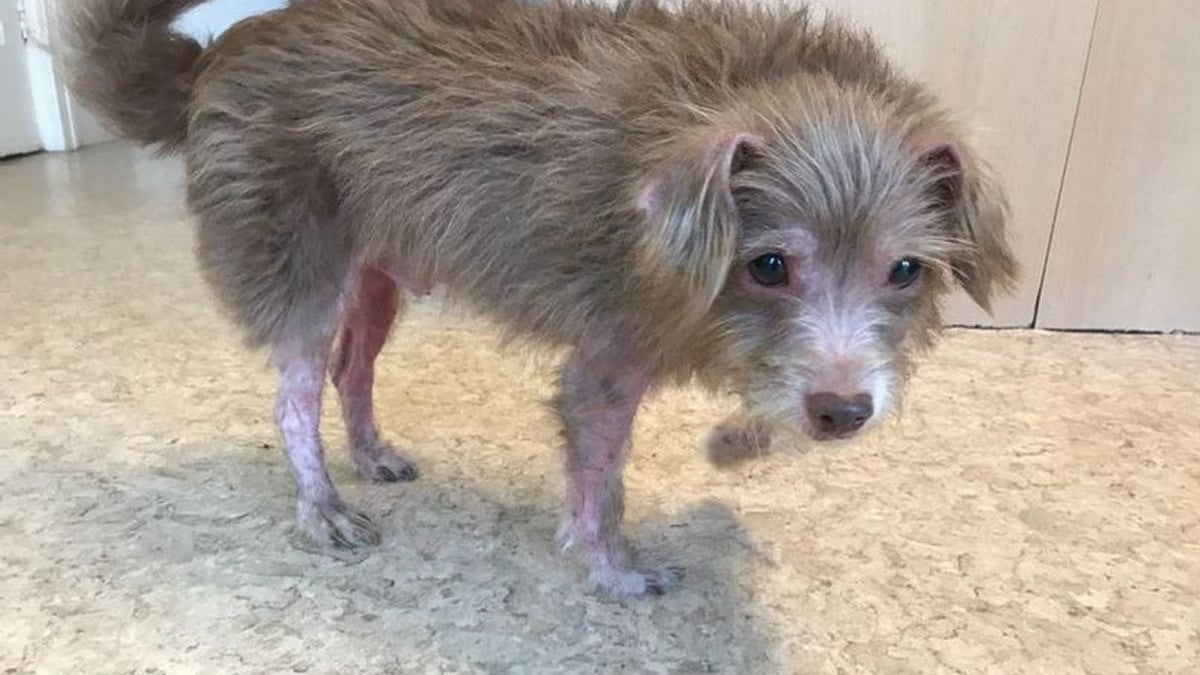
(1062, 181)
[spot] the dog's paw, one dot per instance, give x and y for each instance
(381, 462)
(734, 442)
(636, 583)
(335, 526)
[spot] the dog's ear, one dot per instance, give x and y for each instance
(977, 213)
(691, 218)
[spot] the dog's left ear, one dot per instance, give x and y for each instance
(977, 211)
(690, 214)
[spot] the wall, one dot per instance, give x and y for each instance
(1126, 248)
(61, 122)
(1011, 71)
(20, 131)
(213, 18)
(1088, 110)
(1086, 107)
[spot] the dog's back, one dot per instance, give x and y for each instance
(491, 145)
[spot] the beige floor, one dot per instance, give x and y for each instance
(1035, 509)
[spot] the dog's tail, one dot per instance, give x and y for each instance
(131, 69)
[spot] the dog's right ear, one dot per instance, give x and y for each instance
(690, 239)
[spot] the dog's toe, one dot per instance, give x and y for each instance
(402, 474)
(663, 579)
(673, 574)
(383, 463)
(634, 583)
(334, 525)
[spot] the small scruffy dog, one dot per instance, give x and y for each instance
(710, 190)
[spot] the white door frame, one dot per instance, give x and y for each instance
(62, 124)
(20, 133)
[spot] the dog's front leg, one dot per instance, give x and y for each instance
(737, 439)
(601, 390)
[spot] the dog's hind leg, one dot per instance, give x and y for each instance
(366, 322)
(320, 511)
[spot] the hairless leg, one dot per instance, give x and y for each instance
(366, 322)
(320, 511)
(601, 390)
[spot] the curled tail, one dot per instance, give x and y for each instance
(131, 69)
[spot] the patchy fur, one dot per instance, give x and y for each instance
(586, 175)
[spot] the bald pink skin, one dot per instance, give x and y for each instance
(320, 511)
(602, 386)
(371, 306)
(366, 323)
(298, 416)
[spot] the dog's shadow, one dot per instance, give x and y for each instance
(491, 544)
(468, 578)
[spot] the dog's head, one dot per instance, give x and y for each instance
(807, 242)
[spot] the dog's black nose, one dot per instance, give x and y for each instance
(836, 415)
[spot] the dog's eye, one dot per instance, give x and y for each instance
(904, 273)
(769, 269)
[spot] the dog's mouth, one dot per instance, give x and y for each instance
(828, 436)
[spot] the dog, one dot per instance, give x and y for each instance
(711, 191)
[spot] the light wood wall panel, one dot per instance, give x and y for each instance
(1013, 70)
(1126, 251)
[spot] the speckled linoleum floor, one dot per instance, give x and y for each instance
(1036, 508)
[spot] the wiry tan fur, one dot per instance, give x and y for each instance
(586, 175)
